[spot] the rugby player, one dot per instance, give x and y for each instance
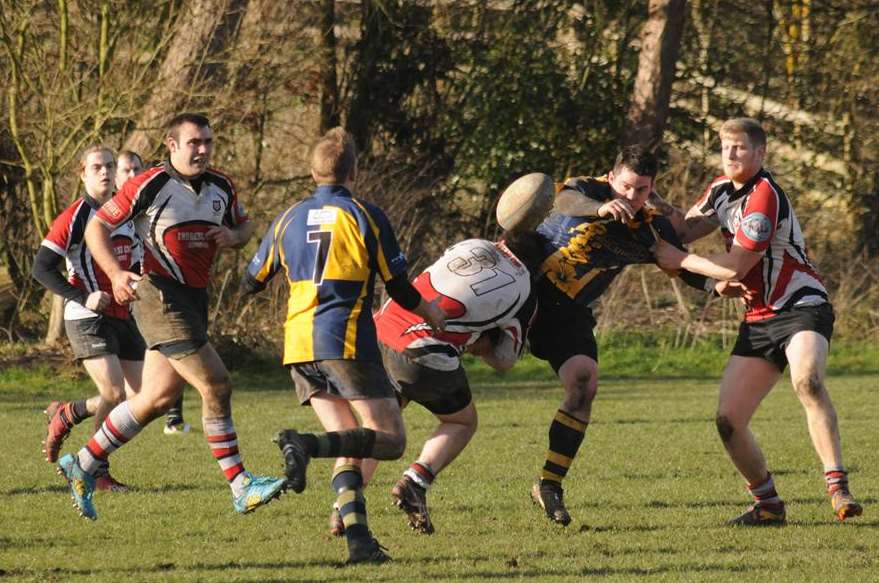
(485, 290)
(584, 255)
(788, 318)
(101, 332)
(128, 165)
(184, 211)
(330, 246)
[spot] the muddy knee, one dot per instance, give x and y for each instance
(810, 385)
(724, 428)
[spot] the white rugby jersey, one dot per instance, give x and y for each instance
(65, 238)
(172, 219)
(759, 217)
(481, 285)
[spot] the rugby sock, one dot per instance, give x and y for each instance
(356, 443)
(116, 430)
(764, 493)
(78, 411)
(174, 416)
(421, 473)
(566, 433)
(224, 447)
(348, 485)
(836, 479)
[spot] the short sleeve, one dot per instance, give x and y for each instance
(759, 219)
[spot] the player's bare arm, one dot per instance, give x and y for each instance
(97, 239)
(432, 314)
(730, 266)
(235, 238)
(496, 348)
(696, 225)
(576, 204)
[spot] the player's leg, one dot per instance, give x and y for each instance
(807, 355)
(174, 422)
(745, 383)
(122, 424)
(205, 371)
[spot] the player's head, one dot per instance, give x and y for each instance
(128, 165)
(190, 141)
(97, 167)
(742, 148)
(334, 158)
(633, 174)
(527, 246)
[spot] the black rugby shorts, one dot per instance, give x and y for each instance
(769, 338)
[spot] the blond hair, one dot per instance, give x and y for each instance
(745, 125)
(91, 149)
(334, 157)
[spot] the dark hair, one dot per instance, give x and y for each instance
(527, 246)
(334, 156)
(638, 159)
(196, 119)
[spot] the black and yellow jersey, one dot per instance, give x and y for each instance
(585, 254)
(330, 246)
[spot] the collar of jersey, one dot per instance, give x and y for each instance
(748, 186)
(91, 201)
(331, 190)
(172, 172)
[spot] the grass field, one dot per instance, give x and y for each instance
(649, 492)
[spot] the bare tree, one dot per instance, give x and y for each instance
(660, 45)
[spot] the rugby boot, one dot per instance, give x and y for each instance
(179, 428)
(759, 515)
(337, 526)
(107, 483)
(81, 484)
(366, 550)
(412, 499)
(550, 497)
(257, 491)
(845, 505)
(295, 458)
(59, 416)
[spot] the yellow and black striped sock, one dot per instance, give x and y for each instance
(348, 484)
(566, 433)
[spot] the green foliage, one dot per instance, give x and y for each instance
(649, 493)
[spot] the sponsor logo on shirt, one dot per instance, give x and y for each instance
(193, 239)
(757, 227)
(112, 209)
(321, 216)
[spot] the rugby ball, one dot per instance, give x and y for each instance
(525, 203)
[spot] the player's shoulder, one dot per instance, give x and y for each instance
(220, 178)
(596, 187)
(146, 176)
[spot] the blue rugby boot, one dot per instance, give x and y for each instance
(81, 484)
(257, 491)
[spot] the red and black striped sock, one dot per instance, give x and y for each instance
(421, 473)
(118, 428)
(220, 432)
(836, 479)
(764, 493)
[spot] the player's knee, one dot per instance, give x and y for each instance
(724, 427)
(809, 385)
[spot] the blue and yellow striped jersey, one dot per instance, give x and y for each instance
(331, 246)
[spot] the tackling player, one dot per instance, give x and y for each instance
(185, 212)
(585, 254)
(101, 332)
(330, 246)
(789, 319)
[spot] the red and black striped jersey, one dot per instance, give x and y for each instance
(759, 217)
(481, 286)
(65, 238)
(172, 215)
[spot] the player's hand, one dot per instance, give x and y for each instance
(481, 347)
(222, 236)
(619, 209)
(434, 315)
(668, 257)
(97, 301)
(733, 289)
(124, 286)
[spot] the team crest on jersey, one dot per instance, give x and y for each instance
(217, 205)
(757, 227)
